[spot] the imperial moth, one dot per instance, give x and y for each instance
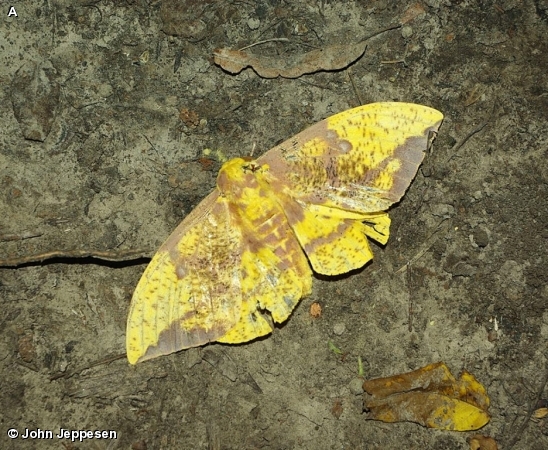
(243, 258)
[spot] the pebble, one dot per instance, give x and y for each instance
(253, 23)
(356, 386)
(339, 328)
(406, 32)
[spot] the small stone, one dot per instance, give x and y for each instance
(406, 32)
(339, 328)
(492, 336)
(481, 238)
(253, 23)
(463, 269)
(442, 210)
(356, 386)
(478, 195)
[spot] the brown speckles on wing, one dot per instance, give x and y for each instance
(275, 271)
(190, 293)
(336, 179)
(241, 252)
(361, 160)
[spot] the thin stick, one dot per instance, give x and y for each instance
(356, 93)
(121, 255)
(394, 61)
(410, 290)
(384, 30)
(532, 408)
(463, 141)
(264, 42)
(391, 27)
(426, 245)
(100, 362)
(469, 135)
(19, 237)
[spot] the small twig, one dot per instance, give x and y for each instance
(463, 141)
(29, 366)
(426, 245)
(402, 61)
(391, 27)
(410, 290)
(356, 92)
(19, 237)
(100, 362)
(264, 42)
(253, 149)
(394, 61)
(532, 408)
(308, 83)
(213, 437)
(476, 130)
(121, 255)
(150, 143)
(384, 30)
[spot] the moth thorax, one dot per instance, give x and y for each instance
(237, 174)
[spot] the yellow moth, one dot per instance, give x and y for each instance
(244, 257)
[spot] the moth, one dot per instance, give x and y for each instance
(245, 256)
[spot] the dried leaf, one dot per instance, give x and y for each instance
(316, 310)
(334, 57)
(540, 413)
(35, 94)
(412, 12)
(337, 408)
(429, 396)
(479, 442)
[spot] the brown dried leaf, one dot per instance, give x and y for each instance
(189, 117)
(26, 349)
(337, 408)
(316, 310)
(429, 396)
(480, 442)
(35, 94)
(412, 12)
(334, 57)
(207, 164)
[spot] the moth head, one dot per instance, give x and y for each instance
(239, 173)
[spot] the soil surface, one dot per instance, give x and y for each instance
(115, 121)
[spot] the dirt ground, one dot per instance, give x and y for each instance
(114, 123)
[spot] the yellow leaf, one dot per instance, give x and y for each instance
(539, 413)
(429, 396)
(242, 259)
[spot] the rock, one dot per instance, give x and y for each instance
(481, 238)
(339, 328)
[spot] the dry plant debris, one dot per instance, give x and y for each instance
(430, 396)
